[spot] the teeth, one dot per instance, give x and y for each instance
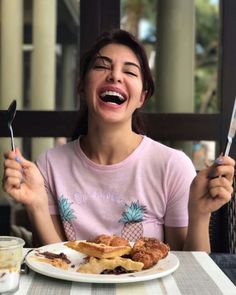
(112, 93)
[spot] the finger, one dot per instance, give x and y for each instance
(12, 173)
(219, 186)
(224, 160)
(10, 155)
(17, 156)
(11, 182)
(14, 156)
(220, 181)
(223, 165)
(220, 194)
(20, 159)
(12, 164)
(223, 170)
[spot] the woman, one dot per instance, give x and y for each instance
(111, 179)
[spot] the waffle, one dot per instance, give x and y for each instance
(97, 266)
(99, 250)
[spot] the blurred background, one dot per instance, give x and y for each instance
(40, 49)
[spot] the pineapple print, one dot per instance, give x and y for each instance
(67, 215)
(132, 219)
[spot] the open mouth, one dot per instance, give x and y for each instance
(112, 97)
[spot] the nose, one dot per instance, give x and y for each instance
(114, 76)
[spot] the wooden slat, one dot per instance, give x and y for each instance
(159, 126)
(40, 123)
(183, 126)
(96, 17)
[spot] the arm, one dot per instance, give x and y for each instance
(47, 228)
(197, 238)
(210, 190)
(24, 183)
(175, 237)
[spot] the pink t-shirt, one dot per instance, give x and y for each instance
(133, 198)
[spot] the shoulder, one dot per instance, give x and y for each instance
(168, 157)
(163, 150)
(57, 153)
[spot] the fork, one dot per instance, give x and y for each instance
(24, 269)
(232, 130)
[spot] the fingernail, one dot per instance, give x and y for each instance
(218, 161)
(211, 175)
(17, 159)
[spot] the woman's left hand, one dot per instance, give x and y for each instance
(212, 187)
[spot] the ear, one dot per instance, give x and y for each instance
(142, 98)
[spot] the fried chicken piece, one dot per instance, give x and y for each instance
(149, 251)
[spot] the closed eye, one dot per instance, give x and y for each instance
(101, 67)
(131, 73)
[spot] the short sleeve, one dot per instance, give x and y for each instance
(43, 166)
(180, 173)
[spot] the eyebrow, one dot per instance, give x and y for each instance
(106, 58)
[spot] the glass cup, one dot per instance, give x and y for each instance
(11, 255)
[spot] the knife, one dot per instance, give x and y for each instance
(11, 112)
(232, 130)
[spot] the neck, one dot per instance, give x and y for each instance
(109, 148)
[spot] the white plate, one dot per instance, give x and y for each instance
(163, 268)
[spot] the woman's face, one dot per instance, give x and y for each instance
(113, 86)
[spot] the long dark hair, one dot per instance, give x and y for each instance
(115, 37)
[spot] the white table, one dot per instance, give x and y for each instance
(197, 274)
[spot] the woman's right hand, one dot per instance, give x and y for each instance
(23, 181)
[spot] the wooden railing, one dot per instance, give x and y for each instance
(159, 126)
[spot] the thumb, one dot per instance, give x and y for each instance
(200, 179)
(204, 173)
(21, 160)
